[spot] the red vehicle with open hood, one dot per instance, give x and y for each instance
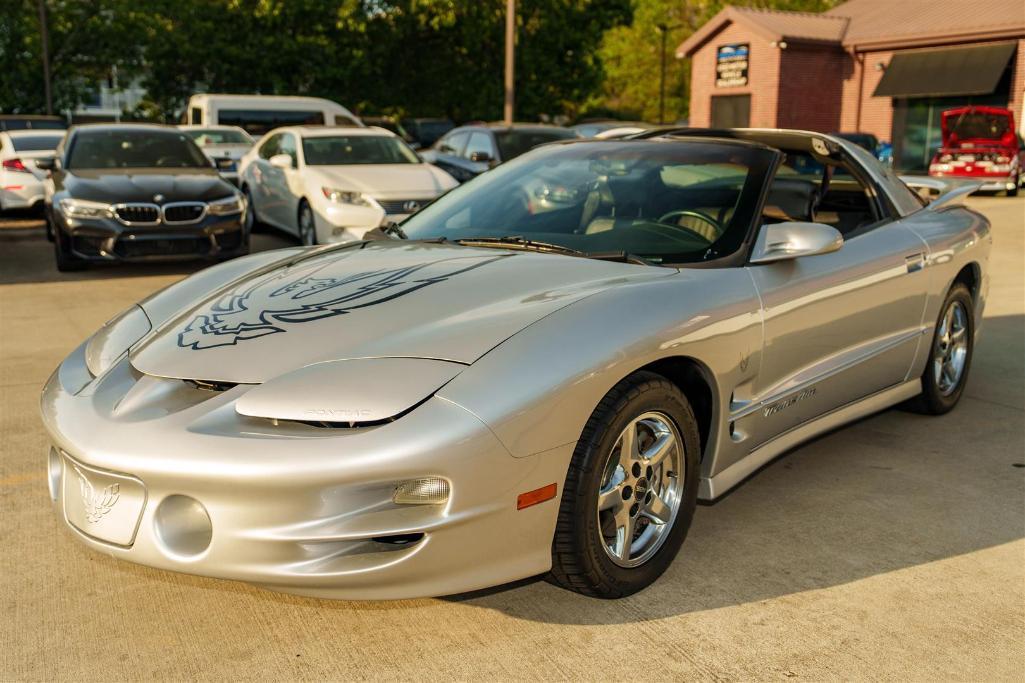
(981, 143)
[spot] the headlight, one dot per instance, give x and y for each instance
(228, 205)
(114, 338)
(344, 196)
(81, 208)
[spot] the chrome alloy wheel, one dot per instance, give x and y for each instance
(641, 489)
(307, 227)
(951, 350)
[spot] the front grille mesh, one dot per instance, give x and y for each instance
(138, 213)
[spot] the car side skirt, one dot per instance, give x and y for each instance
(714, 487)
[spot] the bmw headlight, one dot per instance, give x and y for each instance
(81, 208)
(114, 338)
(345, 196)
(228, 205)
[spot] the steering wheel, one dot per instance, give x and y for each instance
(704, 218)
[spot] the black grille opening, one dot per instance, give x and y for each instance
(398, 206)
(210, 385)
(399, 539)
(230, 240)
(87, 246)
(138, 214)
(183, 213)
(162, 247)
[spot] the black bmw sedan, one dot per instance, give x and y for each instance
(131, 192)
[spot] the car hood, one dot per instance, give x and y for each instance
(379, 299)
(977, 127)
(406, 181)
(143, 184)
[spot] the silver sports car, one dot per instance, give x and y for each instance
(539, 373)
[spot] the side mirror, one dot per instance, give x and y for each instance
(47, 163)
(281, 161)
(480, 157)
(791, 240)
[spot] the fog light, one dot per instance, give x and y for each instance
(183, 526)
(423, 491)
(54, 471)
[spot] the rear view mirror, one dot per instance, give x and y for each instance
(480, 157)
(791, 240)
(281, 161)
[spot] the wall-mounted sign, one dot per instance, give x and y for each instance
(731, 65)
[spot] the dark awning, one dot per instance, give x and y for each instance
(953, 71)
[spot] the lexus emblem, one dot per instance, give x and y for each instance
(412, 206)
(158, 198)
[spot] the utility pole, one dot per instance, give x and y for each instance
(663, 29)
(510, 54)
(44, 35)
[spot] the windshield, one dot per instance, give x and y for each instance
(204, 138)
(345, 150)
(134, 149)
(35, 143)
(665, 201)
(512, 143)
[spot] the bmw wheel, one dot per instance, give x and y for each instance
(66, 261)
(630, 491)
(950, 357)
(307, 224)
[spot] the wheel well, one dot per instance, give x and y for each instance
(969, 276)
(692, 378)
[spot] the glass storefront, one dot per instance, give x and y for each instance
(916, 126)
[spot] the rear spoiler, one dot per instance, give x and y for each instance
(941, 193)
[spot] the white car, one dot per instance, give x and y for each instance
(21, 181)
(333, 184)
(223, 145)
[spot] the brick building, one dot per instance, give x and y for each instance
(886, 67)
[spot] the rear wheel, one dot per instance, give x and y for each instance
(307, 224)
(950, 357)
(630, 491)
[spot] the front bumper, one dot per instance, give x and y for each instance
(293, 507)
(108, 239)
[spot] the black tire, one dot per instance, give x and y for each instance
(1017, 184)
(580, 563)
(307, 234)
(934, 399)
(252, 222)
(66, 261)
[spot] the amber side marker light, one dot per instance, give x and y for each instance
(525, 500)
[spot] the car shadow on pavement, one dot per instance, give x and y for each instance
(892, 491)
(27, 256)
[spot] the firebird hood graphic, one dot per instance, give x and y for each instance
(306, 298)
(388, 299)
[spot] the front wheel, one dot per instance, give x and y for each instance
(1017, 183)
(950, 357)
(630, 490)
(66, 261)
(307, 224)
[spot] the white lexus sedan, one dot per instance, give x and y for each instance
(21, 180)
(333, 184)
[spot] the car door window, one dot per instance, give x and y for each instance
(453, 144)
(287, 146)
(270, 147)
(479, 142)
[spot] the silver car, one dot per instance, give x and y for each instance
(539, 373)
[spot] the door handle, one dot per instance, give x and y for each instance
(915, 262)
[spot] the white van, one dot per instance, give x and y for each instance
(258, 114)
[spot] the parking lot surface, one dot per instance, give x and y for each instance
(893, 548)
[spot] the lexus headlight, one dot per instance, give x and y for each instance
(226, 206)
(114, 338)
(81, 208)
(345, 196)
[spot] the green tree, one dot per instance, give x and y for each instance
(631, 54)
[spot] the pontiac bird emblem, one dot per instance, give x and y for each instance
(96, 504)
(158, 198)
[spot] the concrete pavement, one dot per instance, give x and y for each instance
(891, 549)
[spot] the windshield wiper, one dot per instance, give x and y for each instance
(383, 231)
(516, 241)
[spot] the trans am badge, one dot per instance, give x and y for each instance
(309, 294)
(96, 504)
